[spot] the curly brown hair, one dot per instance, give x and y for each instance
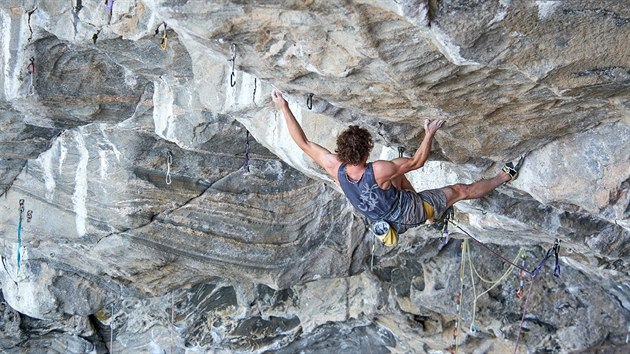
(354, 145)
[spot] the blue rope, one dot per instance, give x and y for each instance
(19, 232)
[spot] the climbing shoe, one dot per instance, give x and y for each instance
(511, 169)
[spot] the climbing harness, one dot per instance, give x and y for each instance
(233, 60)
(95, 36)
(19, 236)
(254, 94)
(246, 163)
(309, 101)
(30, 13)
(75, 17)
(169, 161)
(31, 72)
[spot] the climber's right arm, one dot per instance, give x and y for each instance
(318, 153)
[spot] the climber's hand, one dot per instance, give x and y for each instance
(277, 98)
(431, 126)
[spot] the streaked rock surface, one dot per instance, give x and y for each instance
(220, 259)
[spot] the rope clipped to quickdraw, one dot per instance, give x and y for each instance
(556, 269)
(233, 60)
(75, 17)
(246, 163)
(169, 162)
(30, 13)
(309, 101)
(19, 236)
(31, 71)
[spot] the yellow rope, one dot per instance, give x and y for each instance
(494, 283)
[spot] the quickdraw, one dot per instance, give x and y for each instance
(19, 236)
(556, 250)
(254, 94)
(29, 216)
(246, 163)
(233, 60)
(30, 13)
(164, 42)
(521, 275)
(401, 150)
(169, 161)
(309, 101)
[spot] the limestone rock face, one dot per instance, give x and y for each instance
(166, 208)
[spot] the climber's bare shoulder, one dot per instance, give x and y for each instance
(323, 157)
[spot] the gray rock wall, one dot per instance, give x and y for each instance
(148, 234)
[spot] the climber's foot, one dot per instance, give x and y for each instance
(512, 170)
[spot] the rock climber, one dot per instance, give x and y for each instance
(379, 190)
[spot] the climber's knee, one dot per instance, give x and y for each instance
(455, 193)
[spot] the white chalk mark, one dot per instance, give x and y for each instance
(80, 188)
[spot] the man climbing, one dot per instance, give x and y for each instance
(379, 189)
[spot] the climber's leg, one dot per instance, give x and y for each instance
(460, 191)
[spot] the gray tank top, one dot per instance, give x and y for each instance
(365, 194)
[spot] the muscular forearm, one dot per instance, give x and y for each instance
(295, 130)
(422, 154)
